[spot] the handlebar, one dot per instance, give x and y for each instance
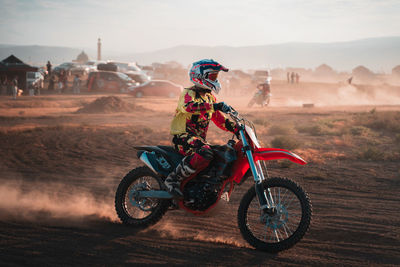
(234, 115)
(241, 121)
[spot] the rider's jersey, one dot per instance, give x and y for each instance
(194, 112)
(264, 88)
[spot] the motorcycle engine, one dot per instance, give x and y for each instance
(201, 193)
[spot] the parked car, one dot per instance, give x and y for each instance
(92, 64)
(107, 66)
(132, 70)
(157, 88)
(34, 80)
(139, 77)
(72, 68)
(110, 81)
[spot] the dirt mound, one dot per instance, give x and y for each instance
(107, 104)
(40, 102)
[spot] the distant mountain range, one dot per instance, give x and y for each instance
(378, 54)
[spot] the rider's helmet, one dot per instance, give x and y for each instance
(204, 74)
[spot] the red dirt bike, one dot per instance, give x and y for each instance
(273, 215)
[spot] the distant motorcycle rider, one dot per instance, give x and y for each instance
(265, 87)
(263, 94)
(196, 107)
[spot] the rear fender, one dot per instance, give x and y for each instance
(165, 151)
(155, 161)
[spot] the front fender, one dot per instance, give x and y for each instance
(277, 153)
(242, 165)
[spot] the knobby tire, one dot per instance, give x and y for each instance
(299, 232)
(155, 215)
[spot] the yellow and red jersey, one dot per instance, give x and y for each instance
(194, 112)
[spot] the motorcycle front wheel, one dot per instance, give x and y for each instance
(267, 101)
(283, 226)
(139, 212)
(251, 103)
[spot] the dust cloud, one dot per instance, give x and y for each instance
(340, 95)
(62, 204)
(40, 202)
(359, 95)
(169, 229)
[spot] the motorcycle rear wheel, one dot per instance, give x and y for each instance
(280, 231)
(139, 212)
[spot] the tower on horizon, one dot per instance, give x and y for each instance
(98, 49)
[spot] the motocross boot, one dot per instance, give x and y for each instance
(174, 179)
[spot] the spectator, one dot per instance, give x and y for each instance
(349, 80)
(52, 81)
(60, 83)
(3, 85)
(14, 84)
(48, 65)
(297, 77)
(9, 87)
(37, 87)
(77, 85)
(31, 89)
(64, 80)
(292, 77)
(288, 77)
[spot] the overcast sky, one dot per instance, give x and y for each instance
(147, 25)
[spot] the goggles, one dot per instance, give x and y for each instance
(213, 76)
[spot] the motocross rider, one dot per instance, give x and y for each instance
(196, 107)
(265, 87)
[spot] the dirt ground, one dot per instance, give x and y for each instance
(59, 170)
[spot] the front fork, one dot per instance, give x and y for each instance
(264, 198)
